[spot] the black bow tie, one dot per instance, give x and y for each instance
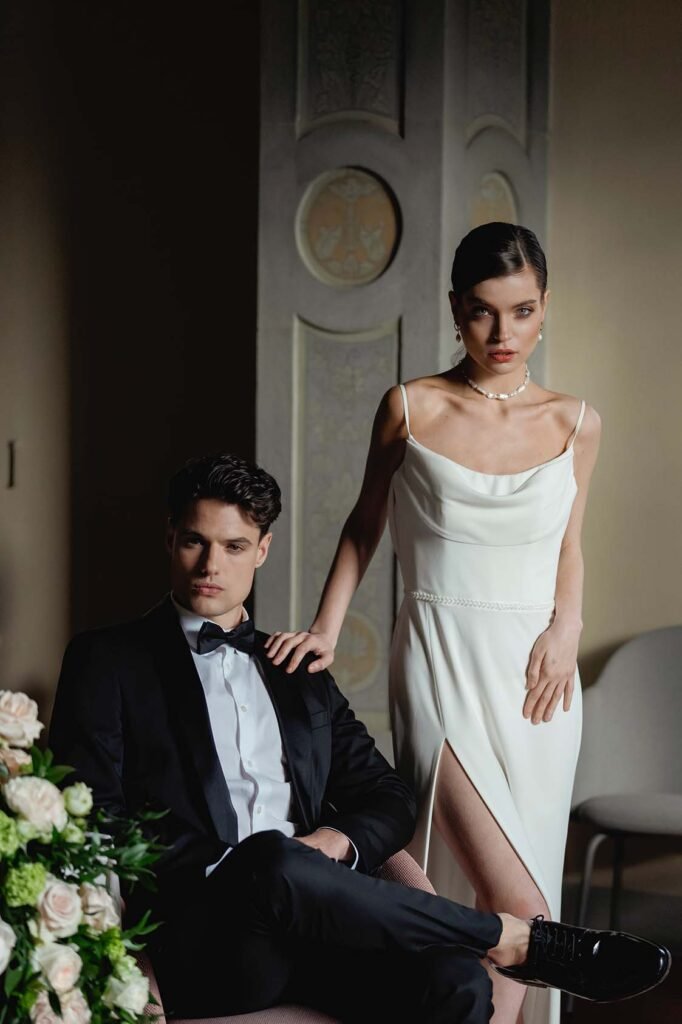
(242, 638)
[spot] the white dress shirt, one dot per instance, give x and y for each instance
(246, 735)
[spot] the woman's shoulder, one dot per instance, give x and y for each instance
(569, 410)
(422, 392)
(415, 391)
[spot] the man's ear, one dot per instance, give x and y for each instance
(263, 547)
(170, 537)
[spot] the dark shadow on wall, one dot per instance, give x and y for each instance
(161, 188)
(592, 663)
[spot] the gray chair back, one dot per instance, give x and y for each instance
(632, 732)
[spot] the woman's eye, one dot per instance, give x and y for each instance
(524, 311)
(479, 311)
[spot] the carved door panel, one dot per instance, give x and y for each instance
(387, 130)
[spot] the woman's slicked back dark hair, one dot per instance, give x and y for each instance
(230, 479)
(497, 250)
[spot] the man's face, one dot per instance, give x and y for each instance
(215, 550)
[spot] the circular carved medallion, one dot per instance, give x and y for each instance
(358, 655)
(347, 227)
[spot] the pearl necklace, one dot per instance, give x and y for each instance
(501, 396)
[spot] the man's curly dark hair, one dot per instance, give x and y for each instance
(230, 479)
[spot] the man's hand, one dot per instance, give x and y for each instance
(332, 844)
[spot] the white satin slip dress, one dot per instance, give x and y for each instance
(478, 553)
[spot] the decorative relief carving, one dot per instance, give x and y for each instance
(495, 200)
(350, 62)
(339, 380)
(347, 227)
(496, 67)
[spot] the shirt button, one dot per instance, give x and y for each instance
(243, 707)
(249, 764)
(259, 810)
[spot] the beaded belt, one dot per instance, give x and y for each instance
(469, 602)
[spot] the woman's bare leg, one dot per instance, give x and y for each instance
(498, 876)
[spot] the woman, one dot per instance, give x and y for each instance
(483, 475)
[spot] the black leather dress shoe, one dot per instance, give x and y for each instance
(600, 966)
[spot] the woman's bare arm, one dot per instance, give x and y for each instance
(360, 536)
(551, 670)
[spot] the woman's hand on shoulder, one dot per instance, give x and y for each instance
(280, 645)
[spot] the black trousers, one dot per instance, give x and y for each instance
(279, 922)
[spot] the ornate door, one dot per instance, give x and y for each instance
(387, 130)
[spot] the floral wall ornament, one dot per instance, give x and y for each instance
(347, 227)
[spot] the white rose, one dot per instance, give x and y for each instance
(41, 1011)
(73, 834)
(78, 799)
(19, 724)
(7, 942)
(26, 831)
(99, 909)
(37, 800)
(131, 993)
(59, 909)
(15, 760)
(59, 965)
(75, 1009)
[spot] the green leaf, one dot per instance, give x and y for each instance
(13, 976)
(58, 774)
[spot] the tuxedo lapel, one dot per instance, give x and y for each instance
(294, 727)
(190, 715)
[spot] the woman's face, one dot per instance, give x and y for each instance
(500, 320)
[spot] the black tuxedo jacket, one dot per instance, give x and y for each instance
(131, 717)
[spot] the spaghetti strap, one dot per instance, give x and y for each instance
(577, 426)
(406, 410)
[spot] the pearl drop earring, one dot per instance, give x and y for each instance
(458, 335)
(540, 334)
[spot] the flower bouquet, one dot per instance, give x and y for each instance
(63, 954)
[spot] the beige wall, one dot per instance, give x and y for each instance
(34, 514)
(615, 337)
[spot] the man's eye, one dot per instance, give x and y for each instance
(234, 547)
(190, 542)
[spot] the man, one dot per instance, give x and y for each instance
(280, 807)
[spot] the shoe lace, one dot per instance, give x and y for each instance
(554, 940)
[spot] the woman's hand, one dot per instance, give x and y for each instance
(280, 645)
(551, 672)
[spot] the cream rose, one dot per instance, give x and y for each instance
(41, 1012)
(74, 1007)
(99, 909)
(78, 799)
(59, 965)
(7, 942)
(59, 910)
(38, 801)
(15, 760)
(19, 724)
(131, 992)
